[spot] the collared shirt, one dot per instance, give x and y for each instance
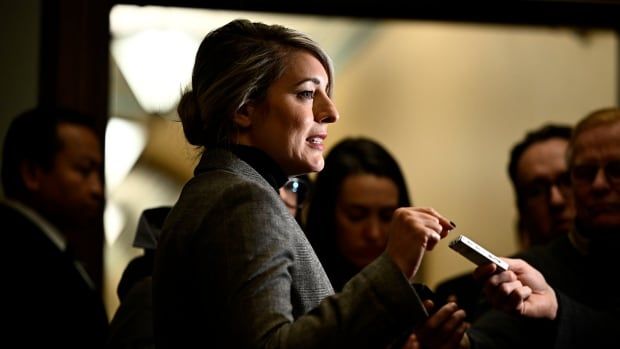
(48, 229)
(51, 232)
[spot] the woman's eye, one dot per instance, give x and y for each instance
(306, 94)
(356, 214)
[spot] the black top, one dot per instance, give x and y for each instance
(262, 163)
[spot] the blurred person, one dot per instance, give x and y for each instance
(232, 267)
(52, 179)
(132, 323)
(558, 295)
(540, 179)
(354, 198)
(539, 175)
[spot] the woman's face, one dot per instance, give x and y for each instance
(364, 210)
(290, 125)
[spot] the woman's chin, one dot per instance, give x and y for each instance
(314, 166)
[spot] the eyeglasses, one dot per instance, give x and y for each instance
(540, 188)
(298, 188)
(586, 173)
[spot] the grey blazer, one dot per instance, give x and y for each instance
(234, 270)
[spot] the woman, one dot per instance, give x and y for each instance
(233, 268)
(352, 206)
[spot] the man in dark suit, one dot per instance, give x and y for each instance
(52, 180)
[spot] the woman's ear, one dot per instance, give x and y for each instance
(243, 118)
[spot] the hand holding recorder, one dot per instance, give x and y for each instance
(520, 290)
(511, 285)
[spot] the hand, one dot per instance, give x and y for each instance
(412, 231)
(443, 330)
(520, 290)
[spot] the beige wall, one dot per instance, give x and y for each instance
(449, 101)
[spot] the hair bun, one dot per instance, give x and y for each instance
(189, 113)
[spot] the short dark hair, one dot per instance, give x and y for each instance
(33, 136)
(544, 133)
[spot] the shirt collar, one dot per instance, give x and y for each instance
(50, 231)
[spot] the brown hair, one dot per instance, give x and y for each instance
(236, 64)
(604, 116)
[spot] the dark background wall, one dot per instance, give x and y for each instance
(19, 60)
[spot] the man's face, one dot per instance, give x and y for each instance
(548, 209)
(595, 175)
(71, 194)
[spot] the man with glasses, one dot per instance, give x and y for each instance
(561, 292)
(540, 179)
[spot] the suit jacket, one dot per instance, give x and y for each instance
(50, 304)
(588, 314)
(233, 269)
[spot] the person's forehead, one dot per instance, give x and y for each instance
(302, 65)
(79, 140)
(548, 147)
(600, 140)
(368, 187)
(544, 156)
(69, 129)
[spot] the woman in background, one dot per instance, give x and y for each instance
(352, 205)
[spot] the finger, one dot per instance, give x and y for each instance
(484, 271)
(452, 298)
(516, 300)
(521, 294)
(455, 338)
(427, 227)
(412, 342)
(440, 329)
(503, 290)
(414, 219)
(445, 223)
(441, 316)
(432, 239)
(517, 265)
(455, 320)
(504, 277)
(428, 305)
(498, 295)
